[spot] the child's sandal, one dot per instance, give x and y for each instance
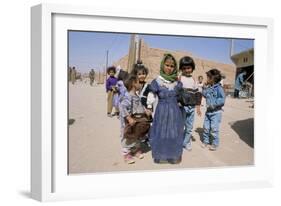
(139, 154)
(129, 159)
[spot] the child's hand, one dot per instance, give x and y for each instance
(198, 110)
(131, 121)
(114, 89)
(148, 112)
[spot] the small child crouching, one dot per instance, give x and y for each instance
(131, 105)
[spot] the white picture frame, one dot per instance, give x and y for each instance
(49, 179)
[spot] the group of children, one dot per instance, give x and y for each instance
(171, 100)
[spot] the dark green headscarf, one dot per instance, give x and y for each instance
(170, 77)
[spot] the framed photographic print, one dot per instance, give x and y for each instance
(168, 103)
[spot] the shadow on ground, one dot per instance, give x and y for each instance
(200, 130)
(245, 130)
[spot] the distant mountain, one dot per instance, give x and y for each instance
(151, 58)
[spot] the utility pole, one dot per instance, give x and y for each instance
(106, 66)
(132, 53)
(139, 50)
(231, 47)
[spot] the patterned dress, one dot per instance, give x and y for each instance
(166, 133)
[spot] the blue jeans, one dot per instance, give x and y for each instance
(189, 120)
(211, 127)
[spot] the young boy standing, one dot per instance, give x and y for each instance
(215, 98)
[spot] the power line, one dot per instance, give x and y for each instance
(242, 46)
(239, 44)
(114, 53)
(113, 42)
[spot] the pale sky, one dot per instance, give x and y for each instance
(87, 50)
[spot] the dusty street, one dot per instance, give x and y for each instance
(94, 143)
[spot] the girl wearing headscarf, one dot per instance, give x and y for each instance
(166, 133)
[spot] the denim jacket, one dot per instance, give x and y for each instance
(215, 97)
(239, 81)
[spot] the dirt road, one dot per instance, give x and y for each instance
(94, 143)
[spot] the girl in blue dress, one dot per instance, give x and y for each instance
(166, 133)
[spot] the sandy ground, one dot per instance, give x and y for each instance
(94, 143)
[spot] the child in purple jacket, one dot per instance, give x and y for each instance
(111, 90)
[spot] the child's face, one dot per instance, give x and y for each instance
(200, 79)
(187, 70)
(111, 73)
(169, 66)
(210, 80)
(141, 76)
